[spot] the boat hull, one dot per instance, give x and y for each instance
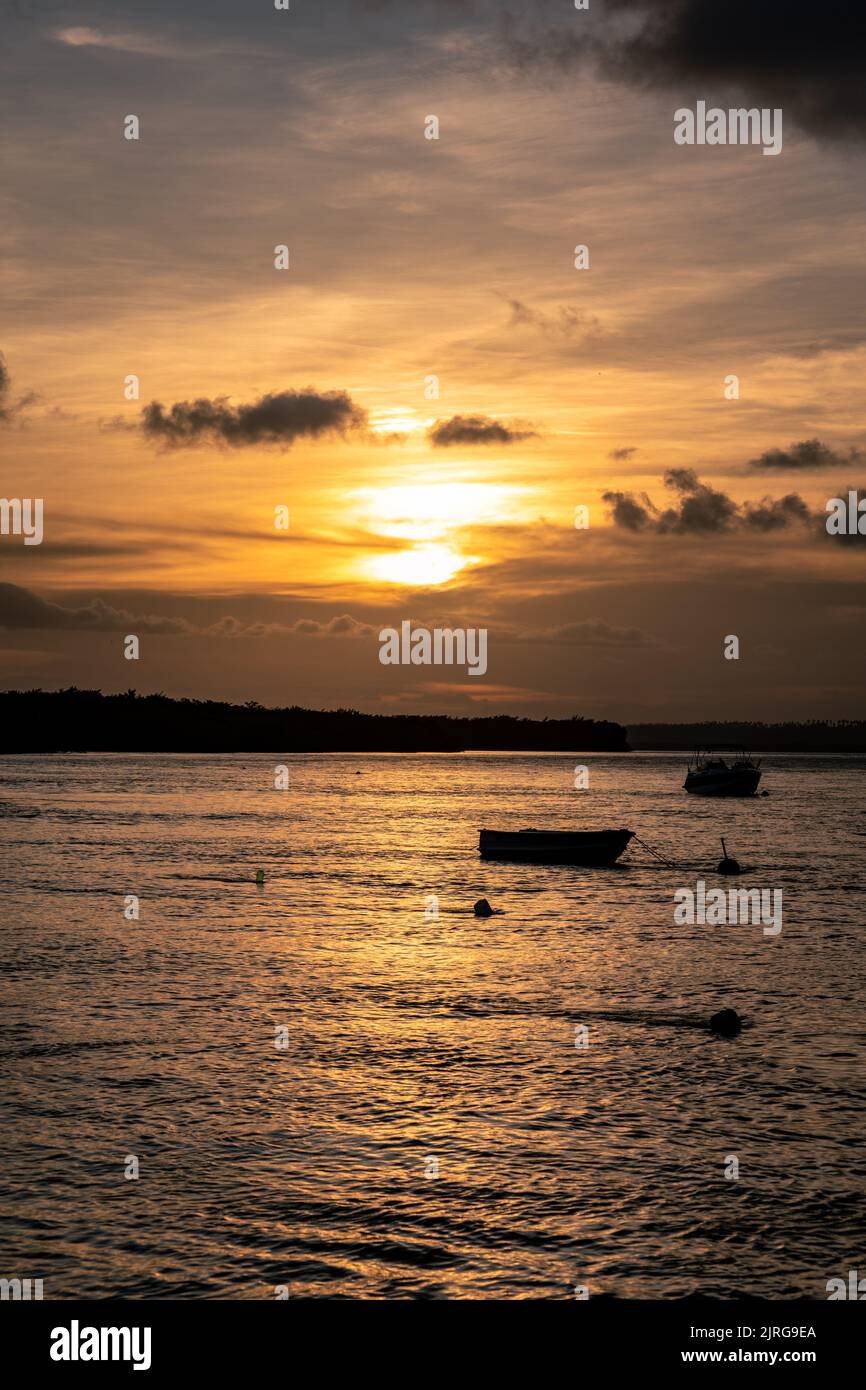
(596, 848)
(733, 782)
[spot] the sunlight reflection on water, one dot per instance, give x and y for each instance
(412, 1037)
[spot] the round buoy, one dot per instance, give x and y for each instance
(482, 908)
(728, 866)
(727, 1023)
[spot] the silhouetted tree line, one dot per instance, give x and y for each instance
(87, 721)
(808, 736)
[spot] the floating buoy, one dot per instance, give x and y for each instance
(726, 865)
(260, 877)
(482, 908)
(727, 1023)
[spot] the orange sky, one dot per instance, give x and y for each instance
(412, 258)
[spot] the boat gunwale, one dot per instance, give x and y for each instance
(565, 836)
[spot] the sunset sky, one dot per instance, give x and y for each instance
(413, 258)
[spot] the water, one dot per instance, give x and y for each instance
(416, 1041)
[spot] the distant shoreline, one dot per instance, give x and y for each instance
(35, 721)
(86, 721)
(812, 736)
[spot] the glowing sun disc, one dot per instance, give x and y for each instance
(428, 565)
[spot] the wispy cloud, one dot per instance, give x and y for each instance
(84, 36)
(23, 610)
(564, 322)
(153, 45)
(592, 632)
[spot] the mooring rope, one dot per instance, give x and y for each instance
(668, 863)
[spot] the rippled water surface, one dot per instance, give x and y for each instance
(418, 1042)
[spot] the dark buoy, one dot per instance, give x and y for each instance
(482, 908)
(726, 865)
(727, 1023)
(260, 877)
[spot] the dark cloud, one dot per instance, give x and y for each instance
(22, 610)
(9, 408)
(629, 512)
(700, 507)
(808, 454)
(848, 537)
(475, 429)
(808, 61)
(769, 515)
(5, 382)
(620, 455)
(703, 510)
(343, 626)
(277, 418)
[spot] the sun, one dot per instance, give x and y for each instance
(397, 422)
(428, 565)
(429, 518)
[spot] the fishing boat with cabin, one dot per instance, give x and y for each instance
(710, 775)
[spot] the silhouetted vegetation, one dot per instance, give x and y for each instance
(36, 721)
(810, 736)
